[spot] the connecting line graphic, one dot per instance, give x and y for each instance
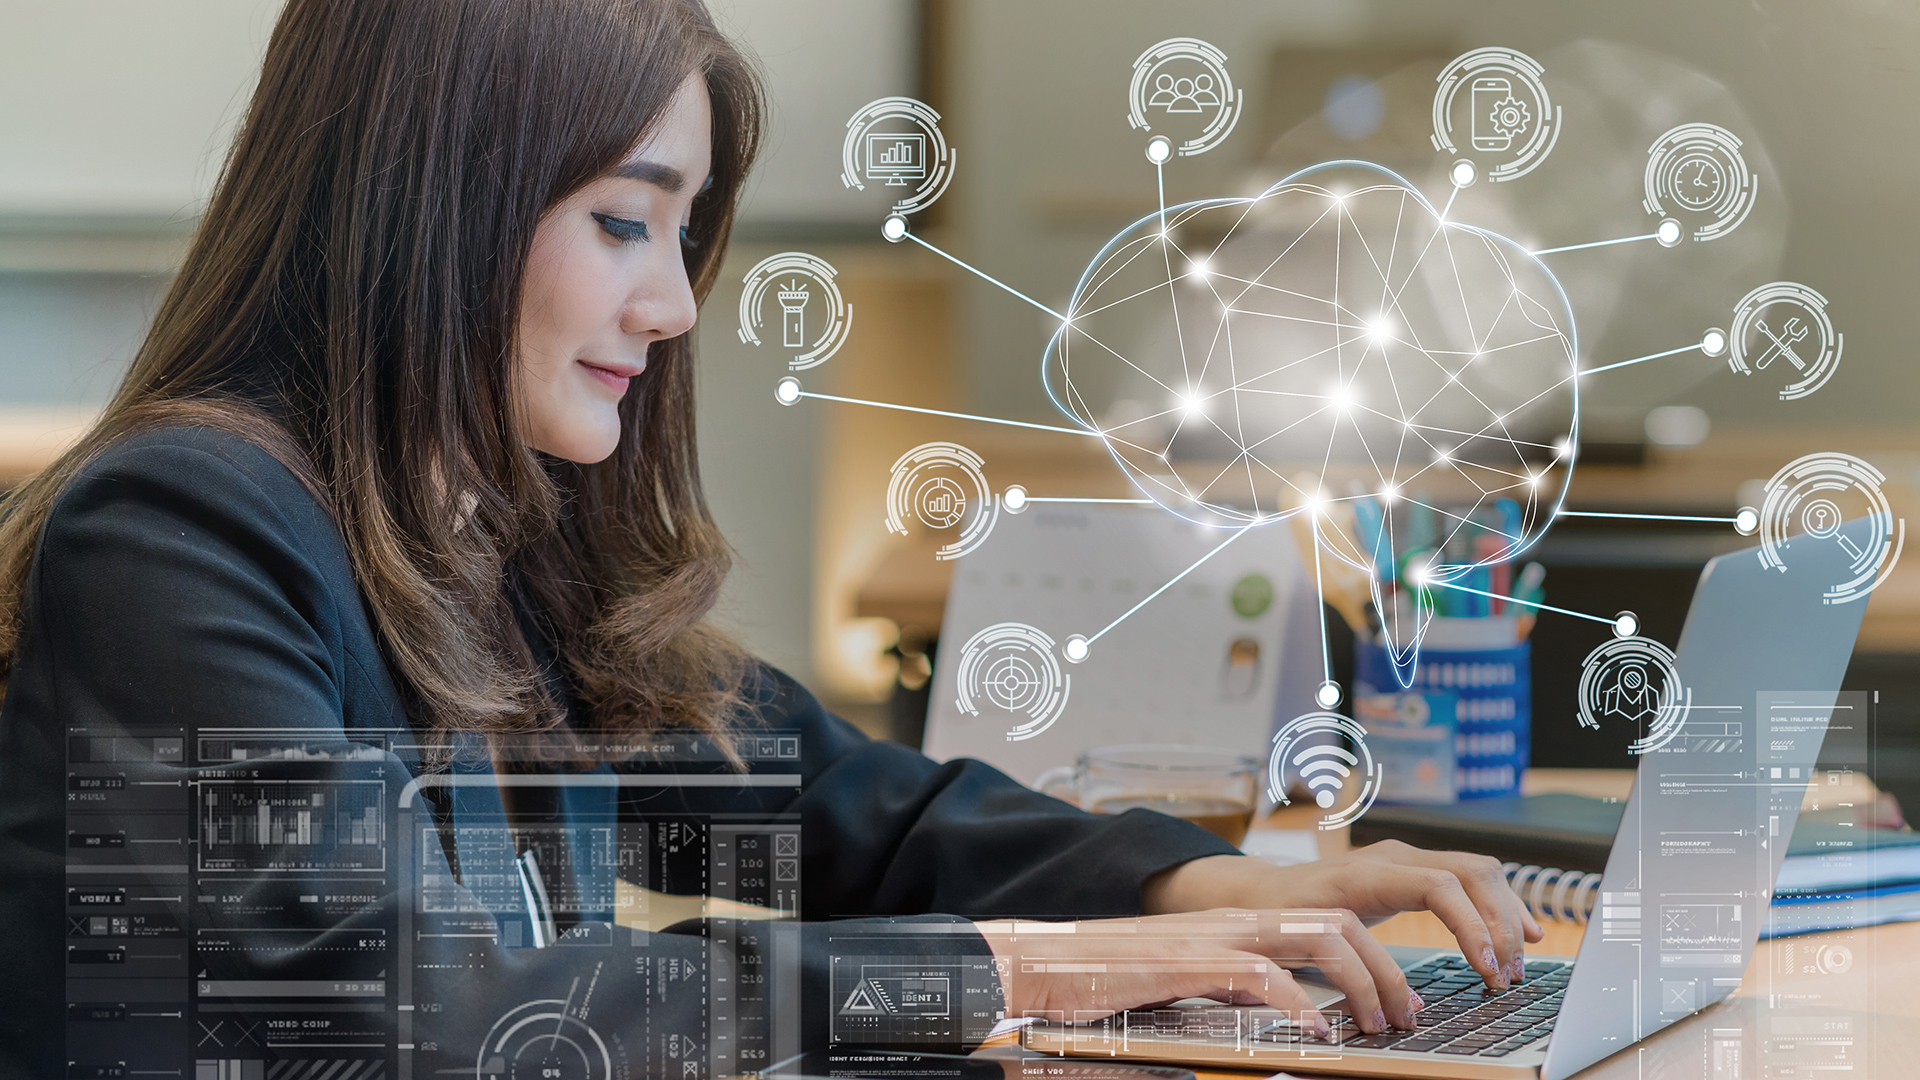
(983, 275)
(1598, 243)
(1642, 359)
(954, 415)
(1647, 517)
(1449, 207)
(1517, 600)
(1065, 499)
(1320, 591)
(1237, 533)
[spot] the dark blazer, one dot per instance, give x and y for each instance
(186, 578)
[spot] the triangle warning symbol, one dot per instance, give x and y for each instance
(860, 1001)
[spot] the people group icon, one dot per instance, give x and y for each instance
(1195, 94)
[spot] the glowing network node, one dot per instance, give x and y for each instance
(1696, 171)
(1746, 521)
(1667, 233)
(1014, 499)
(1327, 694)
(1323, 751)
(1077, 648)
(814, 319)
(1714, 341)
(942, 485)
(1785, 324)
(1182, 83)
(1009, 668)
(1635, 680)
(896, 142)
(1820, 495)
(1463, 173)
(894, 229)
(1159, 149)
(787, 390)
(1626, 624)
(1496, 100)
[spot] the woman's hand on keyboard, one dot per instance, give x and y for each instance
(1232, 955)
(1467, 892)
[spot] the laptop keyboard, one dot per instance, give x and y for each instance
(1464, 1016)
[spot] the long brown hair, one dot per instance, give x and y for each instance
(349, 303)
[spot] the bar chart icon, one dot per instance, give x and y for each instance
(895, 158)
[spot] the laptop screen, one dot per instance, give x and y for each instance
(1719, 787)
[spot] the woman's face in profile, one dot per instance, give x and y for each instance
(605, 279)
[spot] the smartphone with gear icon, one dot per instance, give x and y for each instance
(1488, 95)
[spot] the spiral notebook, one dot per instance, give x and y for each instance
(1556, 845)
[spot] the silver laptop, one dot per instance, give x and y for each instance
(1686, 887)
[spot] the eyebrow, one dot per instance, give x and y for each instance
(665, 177)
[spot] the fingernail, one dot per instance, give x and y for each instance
(1321, 1029)
(1379, 1021)
(1415, 1002)
(1492, 964)
(1519, 967)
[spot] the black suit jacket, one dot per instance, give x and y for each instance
(186, 578)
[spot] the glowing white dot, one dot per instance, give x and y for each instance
(894, 228)
(1313, 504)
(1442, 457)
(1747, 521)
(1389, 493)
(1328, 695)
(1713, 342)
(1076, 648)
(1667, 232)
(1198, 268)
(1159, 149)
(1015, 500)
(1381, 328)
(1340, 397)
(1626, 624)
(1463, 173)
(1534, 480)
(1562, 448)
(787, 390)
(1193, 403)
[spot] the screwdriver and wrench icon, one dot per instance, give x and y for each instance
(1790, 335)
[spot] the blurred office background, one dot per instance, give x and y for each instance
(114, 115)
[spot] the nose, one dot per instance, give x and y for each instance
(661, 303)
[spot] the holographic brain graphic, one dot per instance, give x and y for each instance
(1331, 338)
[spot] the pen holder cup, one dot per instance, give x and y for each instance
(1490, 675)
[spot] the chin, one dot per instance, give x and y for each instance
(588, 443)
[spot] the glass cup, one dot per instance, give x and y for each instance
(1213, 788)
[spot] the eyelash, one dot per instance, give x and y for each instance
(627, 231)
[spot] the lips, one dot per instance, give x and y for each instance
(613, 376)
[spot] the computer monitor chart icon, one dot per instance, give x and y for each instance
(896, 158)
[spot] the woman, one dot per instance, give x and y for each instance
(401, 490)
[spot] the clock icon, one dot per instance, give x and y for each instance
(1698, 180)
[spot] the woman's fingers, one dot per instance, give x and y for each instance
(1398, 1000)
(1470, 894)
(1289, 997)
(1509, 926)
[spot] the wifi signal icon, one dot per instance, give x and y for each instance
(1324, 751)
(1324, 767)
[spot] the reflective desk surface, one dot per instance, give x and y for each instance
(1784, 1021)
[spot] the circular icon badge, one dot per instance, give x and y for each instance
(1182, 84)
(1635, 680)
(1696, 171)
(1492, 105)
(1322, 751)
(797, 289)
(1832, 498)
(543, 1039)
(896, 142)
(1784, 326)
(942, 485)
(1010, 667)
